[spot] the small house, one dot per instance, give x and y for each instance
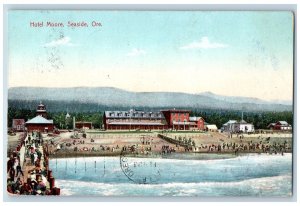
(83, 125)
(196, 123)
(238, 126)
(18, 125)
(211, 127)
(280, 125)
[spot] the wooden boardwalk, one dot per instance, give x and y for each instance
(28, 167)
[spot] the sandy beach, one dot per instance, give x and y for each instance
(12, 142)
(148, 144)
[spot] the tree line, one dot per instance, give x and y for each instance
(260, 120)
(59, 118)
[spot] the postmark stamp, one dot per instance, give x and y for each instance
(140, 170)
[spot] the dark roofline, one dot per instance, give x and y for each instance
(176, 110)
(138, 123)
(134, 115)
(38, 123)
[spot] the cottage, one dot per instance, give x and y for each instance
(196, 123)
(280, 125)
(211, 127)
(83, 125)
(229, 126)
(18, 125)
(238, 126)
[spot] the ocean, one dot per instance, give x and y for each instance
(212, 175)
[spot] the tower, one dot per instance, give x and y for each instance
(41, 110)
(68, 121)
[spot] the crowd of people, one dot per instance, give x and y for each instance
(249, 146)
(35, 183)
(166, 149)
(14, 168)
(147, 146)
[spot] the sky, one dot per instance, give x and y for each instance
(228, 53)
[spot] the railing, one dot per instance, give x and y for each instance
(173, 141)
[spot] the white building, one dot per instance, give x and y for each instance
(229, 126)
(238, 126)
(211, 127)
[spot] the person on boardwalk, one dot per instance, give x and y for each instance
(32, 158)
(19, 170)
(39, 154)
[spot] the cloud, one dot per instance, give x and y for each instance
(204, 43)
(136, 52)
(63, 41)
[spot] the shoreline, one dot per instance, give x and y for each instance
(155, 155)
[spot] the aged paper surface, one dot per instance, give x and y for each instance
(150, 103)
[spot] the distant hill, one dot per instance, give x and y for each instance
(236, 99)
(114, 97)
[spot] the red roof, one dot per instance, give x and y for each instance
(18, 121)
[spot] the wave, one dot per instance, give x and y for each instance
(264, 186)
(244, 175)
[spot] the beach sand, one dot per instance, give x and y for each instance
(12, 142)
(112, 143)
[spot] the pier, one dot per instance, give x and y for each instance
(28, 171)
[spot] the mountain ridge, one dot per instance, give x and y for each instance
(115, 96)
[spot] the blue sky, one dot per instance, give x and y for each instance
(228, 53)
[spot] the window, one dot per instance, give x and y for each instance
(183, 115)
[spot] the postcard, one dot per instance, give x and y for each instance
(150, 103)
